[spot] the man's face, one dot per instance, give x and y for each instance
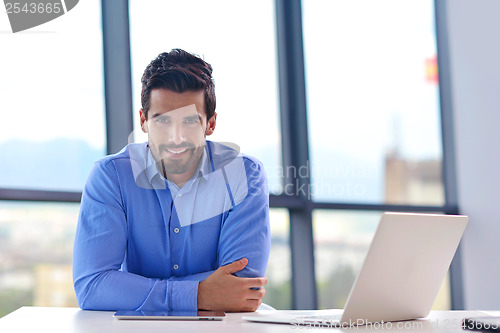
(177, 126)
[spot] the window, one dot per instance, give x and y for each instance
(36, 246)
(52, 131)
(239, 43)
(372, 108)
(237, 39)
(52, 102)
(373, 101)
(341, 242)
(279, 271)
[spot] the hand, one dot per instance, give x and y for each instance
(223, 291)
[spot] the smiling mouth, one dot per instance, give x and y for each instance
(177, 151)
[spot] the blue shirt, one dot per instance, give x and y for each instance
(144, 244)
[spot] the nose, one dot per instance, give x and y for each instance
(176, 134)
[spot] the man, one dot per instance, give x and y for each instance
(177, 223)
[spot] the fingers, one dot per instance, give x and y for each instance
(254, 282)
(235, 266)
(222, 290)
(251, 305)
(256, 294)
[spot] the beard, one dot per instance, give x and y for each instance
(171, 163)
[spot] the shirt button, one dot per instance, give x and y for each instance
(176, 266)
(176, 230)
(180, 194)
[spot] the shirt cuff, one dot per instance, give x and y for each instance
(183, 295)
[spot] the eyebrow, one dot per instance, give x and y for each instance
(196, 117)
(156, 115)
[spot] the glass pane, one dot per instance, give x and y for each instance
(341, 242)
(52, 102)
(279, 271)
(36, 246)
(238, 40)
(373, 101)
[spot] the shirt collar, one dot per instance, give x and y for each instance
(152, 168)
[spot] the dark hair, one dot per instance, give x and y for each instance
(178, 71)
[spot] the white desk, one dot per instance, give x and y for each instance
(70, 320)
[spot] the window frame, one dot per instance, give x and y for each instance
(293, 113)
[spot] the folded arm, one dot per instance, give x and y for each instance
(101, 244)
(100, 249)
(244, 247)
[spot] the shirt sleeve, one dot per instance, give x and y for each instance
(246, 232)
(100, 249)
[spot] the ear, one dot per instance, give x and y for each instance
(144, 122)
(211, 124)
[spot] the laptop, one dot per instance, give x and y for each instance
(400, 278)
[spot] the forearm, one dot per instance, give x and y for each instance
(194, 277)
(117, 290)
(246, 234)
